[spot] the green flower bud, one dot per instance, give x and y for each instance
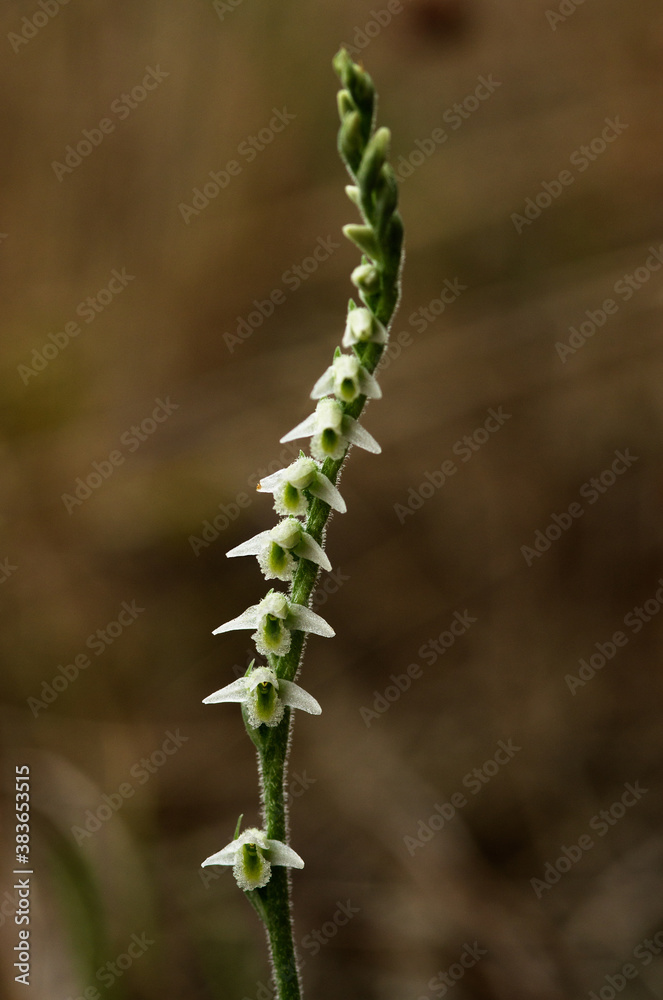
(350, 140)
(386, 196)
(375, 154)
(365, 239)
(345, 104)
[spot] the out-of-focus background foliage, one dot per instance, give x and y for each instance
(361, 784)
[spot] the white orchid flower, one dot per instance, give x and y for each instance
(366, 278)
(274, 618)
(252, 855)
(265, 697)
(346, 378)
(361, 327)
(288, 487)
(277, 548)
(331, 431)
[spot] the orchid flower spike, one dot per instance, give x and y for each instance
(252, 855)
(265, 697)
(279, 549)
(332, 431)
(288, 487)
(274, 619)
(346, 378)
(361, 327)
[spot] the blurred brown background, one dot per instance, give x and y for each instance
(422, 894)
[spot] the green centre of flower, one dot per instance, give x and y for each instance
(272, 630)
(278, 558)
(329, 439)
(347, 390)
(252, 861)
(266, 701)
(290, 497)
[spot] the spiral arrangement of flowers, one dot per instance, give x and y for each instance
(304, 494)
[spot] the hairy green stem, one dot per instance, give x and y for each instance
(275, 896)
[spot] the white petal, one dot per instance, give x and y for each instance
(281, 854)
(295, 696)
(308, 548)
(305, 620)
(369, 385)
(252, 836)
(248, 619)
(287, 533)
(251, 547)
(323, 489)
(224, 857)
(305, 429)
(273, 603)
(324, 385)
(300, 472)
(361, 327)
(360, 322)
(359, 436)
(271, 482)
(236, 691)
(329, 414)
(346, 366)
(261, 675)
